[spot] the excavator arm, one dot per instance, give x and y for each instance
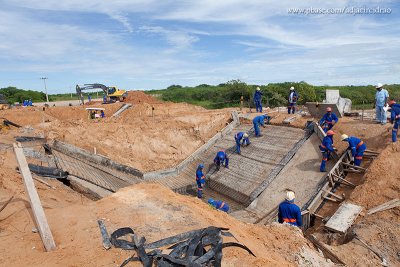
(91, 86)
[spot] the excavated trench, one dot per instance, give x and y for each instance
(284, 158)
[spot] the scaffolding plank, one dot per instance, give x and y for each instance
(343, 217)
(37, 209)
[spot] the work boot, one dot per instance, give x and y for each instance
(259, 135)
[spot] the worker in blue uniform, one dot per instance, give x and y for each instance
(289, 212)
(292, 100)
(395, 120)
(218, 204)
(357, 148)
(259, 121)
(200, 180)
(328, 120)
(326, 149)
(257, 99)
(221, 158)
(241, 138)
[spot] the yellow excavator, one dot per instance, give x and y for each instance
(111, 93)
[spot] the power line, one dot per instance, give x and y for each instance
(45, 88)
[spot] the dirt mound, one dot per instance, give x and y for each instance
(380, 230)
(153, 212)
(139, 97)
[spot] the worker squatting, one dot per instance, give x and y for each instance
(288, 212)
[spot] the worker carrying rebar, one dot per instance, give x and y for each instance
(292, 100)
(328, 120)
(241, 138)
(200, 180)
(220, 159)
(258, 99)
(326, 148)
(357, 147)
(394, 119)
(289, 212)
(218, 204)
(260, 121)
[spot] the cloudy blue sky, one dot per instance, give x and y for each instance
(139, 44)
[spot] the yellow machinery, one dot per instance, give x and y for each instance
(112, 93)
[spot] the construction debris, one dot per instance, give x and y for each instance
(37, 209)
(343, 217)
(385, 206)
(188, 249)
(48, 171)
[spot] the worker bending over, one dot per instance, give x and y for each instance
(220, 159)
(218, 204)
(200, 180)
(292, 100)
(259, 121)
(394, 119)
(357, 148)
(326, 149)
(241, 138)
(328, 120)
(257, 99)
(289, 212)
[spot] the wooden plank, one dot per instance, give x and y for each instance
(331, 199)
(326, 251)
(333, 194)
(354, 166)
(37, 209)
(385, 206)
(343, 217)
(344, 180)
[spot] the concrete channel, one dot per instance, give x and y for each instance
(254, 185)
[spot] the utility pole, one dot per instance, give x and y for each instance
(45, 88)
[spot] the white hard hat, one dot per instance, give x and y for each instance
(379, 85)
(245, 135)
(290, 195)
(344, 136)
(258, 88)
(292, 88)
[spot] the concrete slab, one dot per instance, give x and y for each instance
(301, 175)
(317, 110)
(343, 217)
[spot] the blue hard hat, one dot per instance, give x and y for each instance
(210, 201)
(201, 166)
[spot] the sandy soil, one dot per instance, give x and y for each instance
(149, 136)
(146, 142)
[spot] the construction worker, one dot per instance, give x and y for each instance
(292, 100)
(200, 180)
(326, 149)
(394, 119)
(102, 114)
(104, 99)
(220, 159)
(257, 99)
(241, 138)
(289, 212)
(357, 148)
(218, 204)
(381, 98)
(328, 120)
(259, 121)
